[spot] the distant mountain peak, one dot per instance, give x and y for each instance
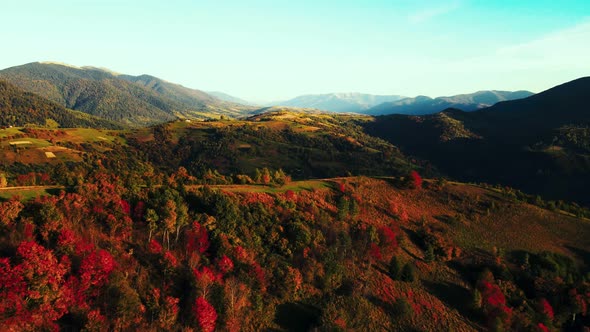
(354, 102)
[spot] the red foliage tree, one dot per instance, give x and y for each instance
(388, 239)
(494, 302)
(125, 207)
(340, 323)
(154, 247)
(29, 179)
(95, 321)
(542, 328)
(205, 314)
(33, 293)
(225, 264)
(255, 198)
(375, 252)
(266, 178)
(197, 239)
(579, 303)
(44, 178)
(95, 269)
(546, 309)
(204, 278)
(66, 240)
(170, 259)
(416, 179)
(241, 254)
(388, 236)
(290, 195)
(293, 279)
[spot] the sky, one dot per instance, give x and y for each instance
(262, 50)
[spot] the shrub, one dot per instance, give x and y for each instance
(408, 273)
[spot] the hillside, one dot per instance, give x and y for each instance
(198, 103)
(256, 224)
(19, 108)
(535, 144)
(338, 102)
(347, 253)
(425, 105)
(131, 100)
(305, 145)
(229, 98)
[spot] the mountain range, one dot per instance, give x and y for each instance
(338, 102)
(145, 100)
(131, 100)
(421, 105)
(396, 104)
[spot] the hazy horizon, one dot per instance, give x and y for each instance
(273, 51)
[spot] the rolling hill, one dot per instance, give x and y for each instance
(338, 102)
(305, 145)
(19, 108)
(141, 100)
(536, 143)
(425, 105)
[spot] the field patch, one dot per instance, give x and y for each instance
(9, 132)
(20, 143)
(295, 186)
(27, 193)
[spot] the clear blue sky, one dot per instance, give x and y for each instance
(272, 50)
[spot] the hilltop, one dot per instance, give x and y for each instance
(304, 145)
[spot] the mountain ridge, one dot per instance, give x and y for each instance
(132, 100)
(229, 98)
(353, 102)
(534, 144)
(421, 105)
